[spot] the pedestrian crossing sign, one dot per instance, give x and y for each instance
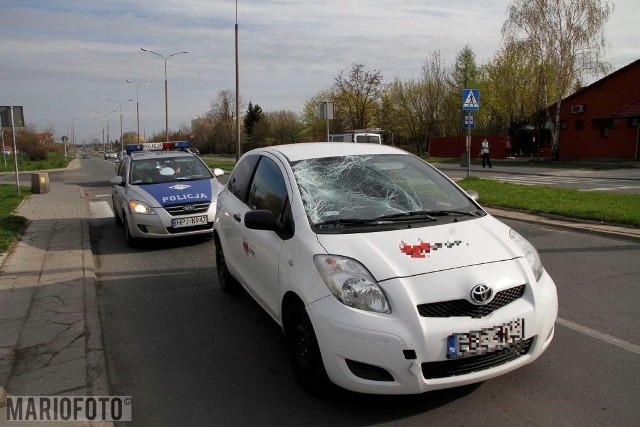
(470, 99)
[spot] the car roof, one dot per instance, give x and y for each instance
(314, 150)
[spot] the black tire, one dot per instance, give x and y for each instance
(132, 242)
(225, 279)
(304, 352)
(118, 220)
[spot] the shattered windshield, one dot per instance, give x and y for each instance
(374, 186)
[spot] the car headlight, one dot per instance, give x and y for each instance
(139, 207)
(530, 253)
(351, 283)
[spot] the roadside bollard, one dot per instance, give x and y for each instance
(39, 183)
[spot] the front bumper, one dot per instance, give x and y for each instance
(405, 353)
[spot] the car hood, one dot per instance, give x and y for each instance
(414, 251)
(178, 193)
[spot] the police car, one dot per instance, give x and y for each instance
(162, 191)
(384, 275)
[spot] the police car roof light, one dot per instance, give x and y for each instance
(130, 148)
(175, 145)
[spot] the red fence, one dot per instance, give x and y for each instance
(454, 146)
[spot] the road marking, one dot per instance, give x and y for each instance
(102, 195)
(599, 335)
(100, 210)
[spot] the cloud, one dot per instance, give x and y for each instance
(64, 58)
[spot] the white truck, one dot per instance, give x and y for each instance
(370, 136)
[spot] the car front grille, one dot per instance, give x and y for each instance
(187, 208)
(463, 308)
(467, 365)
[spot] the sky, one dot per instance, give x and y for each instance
(61, 60)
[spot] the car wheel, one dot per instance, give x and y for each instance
(132, 242)
(225, 280)
(304, 352)
(117, 217)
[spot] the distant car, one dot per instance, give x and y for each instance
(384, 275)
(193, 150)
(164, 194)
(85, 156)
(110, 154)
(6, 152)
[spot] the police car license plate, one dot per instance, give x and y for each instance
(486, 340)
(189, 221)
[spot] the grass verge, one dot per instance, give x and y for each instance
(53, 161)
(11, 226)
(622, 209)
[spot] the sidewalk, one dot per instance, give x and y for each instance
(50, 336)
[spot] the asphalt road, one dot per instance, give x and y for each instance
(191, 355)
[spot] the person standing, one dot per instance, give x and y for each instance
(484, 151)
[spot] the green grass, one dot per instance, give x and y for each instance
(623, 209)
(11, 226)
(528, 162)
(213, 162)
(53, 161)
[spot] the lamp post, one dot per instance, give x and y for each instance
(239, 148)
(166, 102)
(106, 120)
(144, 132)
(120, 104)
(137, 85)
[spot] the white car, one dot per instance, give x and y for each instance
(164, 194)
(384, 275)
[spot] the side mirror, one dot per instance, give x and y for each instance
(217, 172)
(116, 180)
(260, 219)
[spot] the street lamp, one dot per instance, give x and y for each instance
(120, 103)
(144, 132)
(166, 103)
(106, 120)
(138, 104)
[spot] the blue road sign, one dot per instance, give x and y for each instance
(470, 99)
(469, 122)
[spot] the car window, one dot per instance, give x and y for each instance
(268, 189)
(241, 175)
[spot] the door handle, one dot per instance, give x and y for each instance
(237, 217)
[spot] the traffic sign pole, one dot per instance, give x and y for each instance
(470, 102)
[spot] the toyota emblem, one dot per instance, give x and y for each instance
(481, 294)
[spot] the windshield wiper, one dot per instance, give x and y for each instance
(445, 212)
(408, 215)
(346, 221)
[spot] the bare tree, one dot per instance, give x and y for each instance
(567, 35)
(223, 115)
(358, 96)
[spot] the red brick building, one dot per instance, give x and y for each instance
(602, 120)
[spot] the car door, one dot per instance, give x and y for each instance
(262, 248)
(119, 190)
(232, 204)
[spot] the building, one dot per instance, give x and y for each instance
(602, 120)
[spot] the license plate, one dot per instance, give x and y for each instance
(189, 221)
(486, 340)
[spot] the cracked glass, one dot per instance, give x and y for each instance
(371, 186)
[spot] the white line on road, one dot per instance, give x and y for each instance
(599, 335)
(100, 210)
(102, 195)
